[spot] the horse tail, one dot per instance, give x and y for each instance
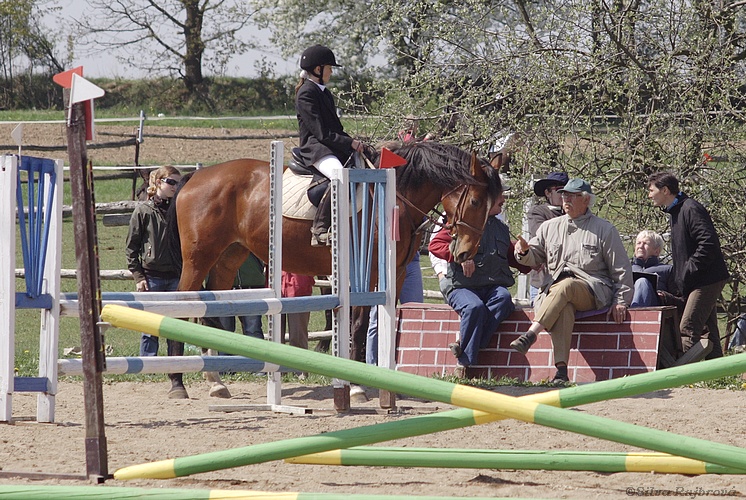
(172, 223)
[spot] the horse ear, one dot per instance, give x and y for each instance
(476, 168)
(500, 161)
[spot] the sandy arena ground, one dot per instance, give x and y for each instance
(143, 426)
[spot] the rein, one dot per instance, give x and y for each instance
(429, 217)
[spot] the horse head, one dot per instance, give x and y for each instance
(468, 207)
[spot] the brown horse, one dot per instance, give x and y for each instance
(222, 213)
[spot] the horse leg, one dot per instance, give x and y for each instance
(218, 389)
(359, 331)
(221, 277)
(177, 391)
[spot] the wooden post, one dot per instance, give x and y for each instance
(89, 294)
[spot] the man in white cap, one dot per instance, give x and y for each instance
(587, 269)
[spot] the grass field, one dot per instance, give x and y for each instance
(279, 122)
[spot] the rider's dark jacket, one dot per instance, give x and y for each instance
(321, 131)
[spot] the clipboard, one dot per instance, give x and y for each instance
(652, 277)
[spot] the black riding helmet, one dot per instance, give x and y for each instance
(317, 55)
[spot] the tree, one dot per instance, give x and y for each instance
(359, 32)
(25, 48)
(175, 37)
(609, 91)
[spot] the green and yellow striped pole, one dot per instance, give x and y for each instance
(449, 458)
(404, 383)
(32, 492)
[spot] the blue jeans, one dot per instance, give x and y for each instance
(482, 310)
(411, 291)
(645, 294)
(149, 343)
(251, 326)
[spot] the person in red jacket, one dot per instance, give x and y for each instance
(296, 285)
(477, 289)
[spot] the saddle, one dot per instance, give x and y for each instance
(295, 202)
(319, 182)
(302, 188)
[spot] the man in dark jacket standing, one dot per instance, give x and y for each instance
(699, 270)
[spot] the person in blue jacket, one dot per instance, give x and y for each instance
(646, 262)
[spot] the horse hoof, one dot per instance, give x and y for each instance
(220, 391)
(178, 393)
(357, 394)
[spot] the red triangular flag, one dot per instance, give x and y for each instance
(389, 159)
(65, 79)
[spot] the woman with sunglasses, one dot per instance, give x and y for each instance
(148, 255)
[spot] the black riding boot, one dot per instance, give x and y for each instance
(322, 221)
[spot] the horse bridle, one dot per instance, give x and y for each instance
(438, 217)
(459, 209)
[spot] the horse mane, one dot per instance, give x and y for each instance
(172, 223)
(444, 165)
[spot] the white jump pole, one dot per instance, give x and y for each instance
(340, 193)
(7, 284)
(274, 263)
(49, 329)
(49, 335)
(387, 312)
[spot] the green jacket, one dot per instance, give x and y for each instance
(250, 274)
(147, 247)
(588, 246)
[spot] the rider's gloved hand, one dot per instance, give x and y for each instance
(370, 152)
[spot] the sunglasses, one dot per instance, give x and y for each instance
(170, 182)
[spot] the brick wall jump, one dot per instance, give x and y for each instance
(600, 349)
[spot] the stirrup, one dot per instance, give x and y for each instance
(321, 239)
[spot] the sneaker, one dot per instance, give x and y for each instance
(523, 343)
(459, 371)
(455, 348)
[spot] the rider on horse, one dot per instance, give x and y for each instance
(323, 141)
